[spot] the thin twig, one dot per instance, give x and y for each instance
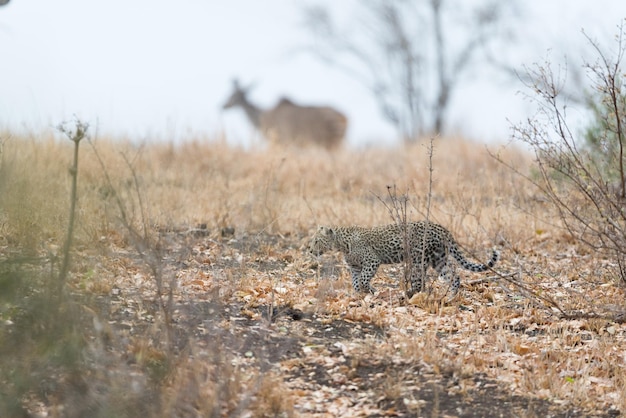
(490, 278)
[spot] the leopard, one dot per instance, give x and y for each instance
(366, 248)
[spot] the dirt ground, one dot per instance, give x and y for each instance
(327, 358)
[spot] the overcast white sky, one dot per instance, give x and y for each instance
(154, 69)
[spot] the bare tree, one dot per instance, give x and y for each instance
(410, 54)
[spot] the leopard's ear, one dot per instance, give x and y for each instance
(328, 231)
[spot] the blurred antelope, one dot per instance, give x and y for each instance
(289, 123)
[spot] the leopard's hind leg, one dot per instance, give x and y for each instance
(451, 276)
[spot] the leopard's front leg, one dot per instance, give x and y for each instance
(356, 278)
(356, 263)
(363, 270)
(367, 274)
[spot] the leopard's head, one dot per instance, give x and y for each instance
(322, 241)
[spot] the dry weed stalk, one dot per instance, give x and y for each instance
(76, 134)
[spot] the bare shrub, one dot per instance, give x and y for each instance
(398, 207)
(144, 238)
(585, 182)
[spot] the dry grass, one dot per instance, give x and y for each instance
(278, 190)
(495, 328)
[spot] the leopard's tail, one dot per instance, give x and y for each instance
(475, 267)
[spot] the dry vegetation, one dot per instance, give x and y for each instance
(200, 299)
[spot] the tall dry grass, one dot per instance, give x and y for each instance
(275, 190)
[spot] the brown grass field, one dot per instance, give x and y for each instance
(203, 301)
